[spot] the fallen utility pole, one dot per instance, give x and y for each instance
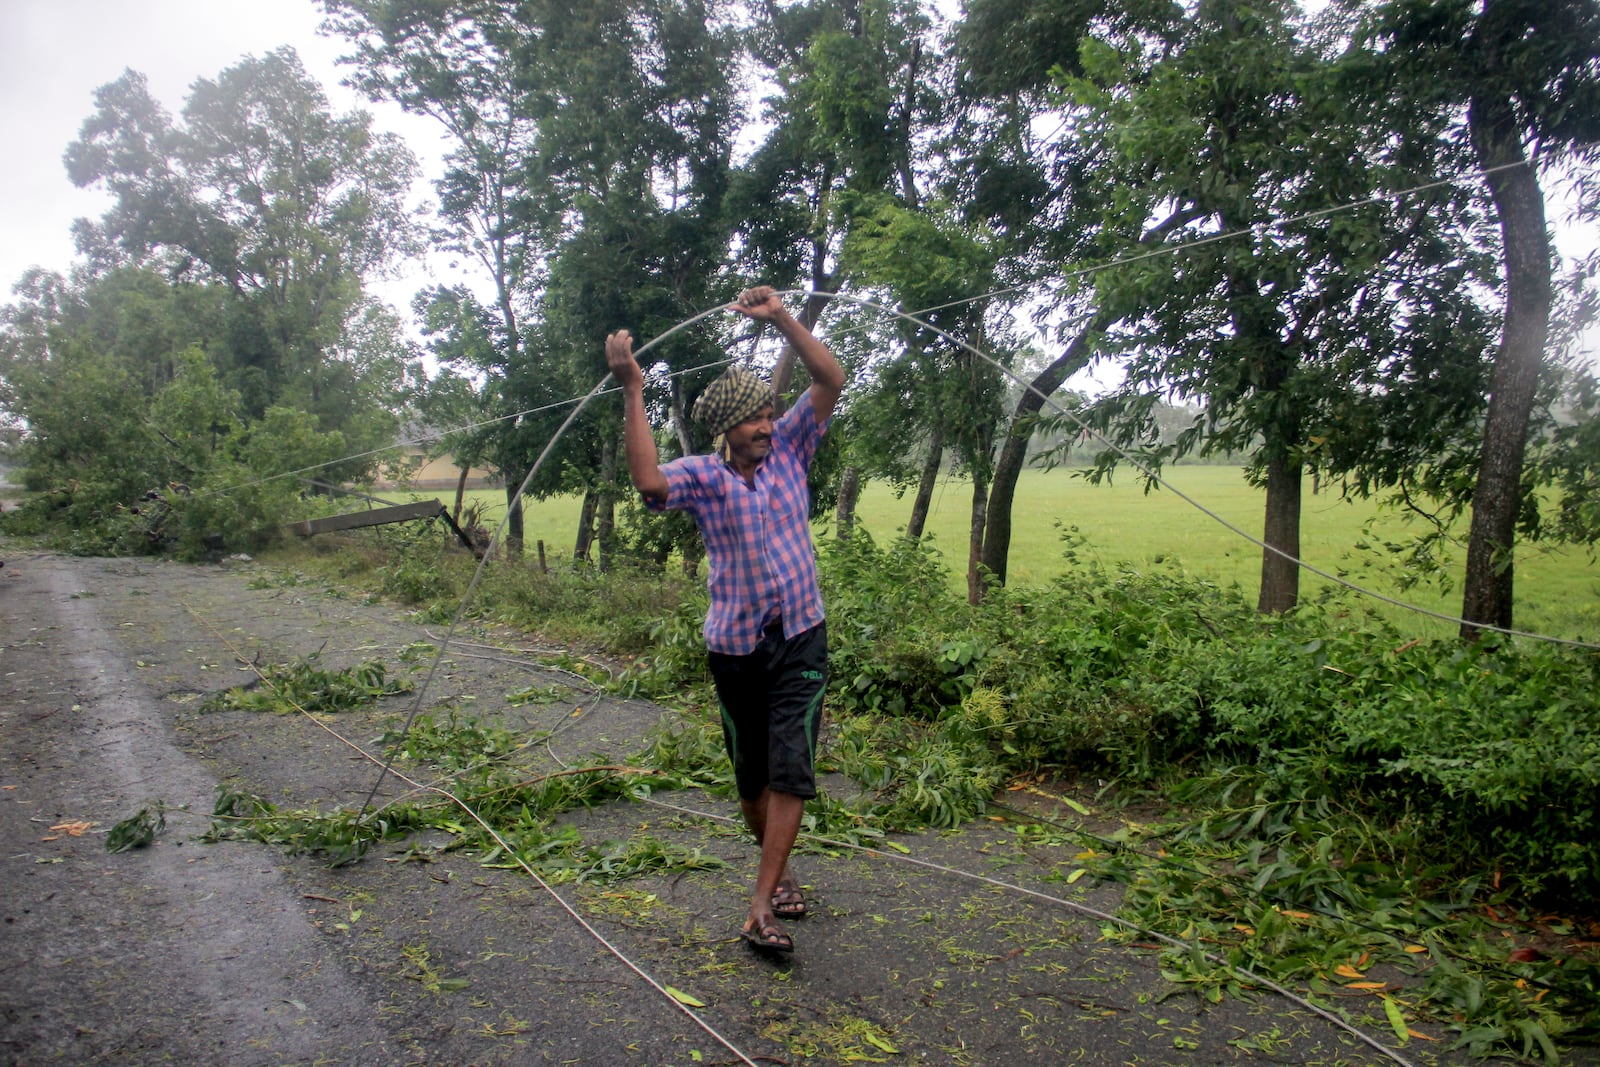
(421, 509)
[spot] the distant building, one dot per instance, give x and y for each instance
(411, 468)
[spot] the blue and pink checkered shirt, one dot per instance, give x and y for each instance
(758, 539)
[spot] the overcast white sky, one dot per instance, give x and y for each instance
(55, 53)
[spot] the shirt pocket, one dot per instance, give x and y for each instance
(787, 508)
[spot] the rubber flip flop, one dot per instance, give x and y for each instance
(767, 938)
(788, 902)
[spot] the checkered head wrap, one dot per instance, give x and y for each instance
(731, 399)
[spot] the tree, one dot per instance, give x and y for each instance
(1202, 154)
(457, 63)
(219, 318)
(1013, 453)
(134, 441)
(1008, 174)
(263, 194)
(591, 148)
(929, 259)
(84, 402)
(1512, 82)
(635, 105)
(847, 161)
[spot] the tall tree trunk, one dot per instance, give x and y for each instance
(585, 539)
(513, 522)
(1280, 576)
(930, 478)
(1496, 496)
(680, 421)
(849, 491)
(1014, 450)
(606, 505)
(461, 492)
(980, 508)
(821, 278)
(1272, 363)
(906, 114)
(694, 549)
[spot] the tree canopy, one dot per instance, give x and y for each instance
(221, 299)
(1323, 235)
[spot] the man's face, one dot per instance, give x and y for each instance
(751, 440)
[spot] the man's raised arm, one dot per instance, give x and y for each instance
(638, 441)
(827, 377)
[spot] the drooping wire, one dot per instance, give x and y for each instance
(1045, 398)
(1127, 457)
(1083, 909)
(914, 318)
(387, 764)
(1121, 261)
(676, 1002)
(1156, 479)
(506, 846)
(444, 642)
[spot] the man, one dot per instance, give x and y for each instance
(765, 637)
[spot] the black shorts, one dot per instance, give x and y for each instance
(772, 710)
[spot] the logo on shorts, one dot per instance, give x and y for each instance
(811, 676)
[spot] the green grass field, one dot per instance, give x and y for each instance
(1558, 589)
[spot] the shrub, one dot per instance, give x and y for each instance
(1470, 760)
(1488, 755)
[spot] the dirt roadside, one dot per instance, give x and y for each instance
(186, 952)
